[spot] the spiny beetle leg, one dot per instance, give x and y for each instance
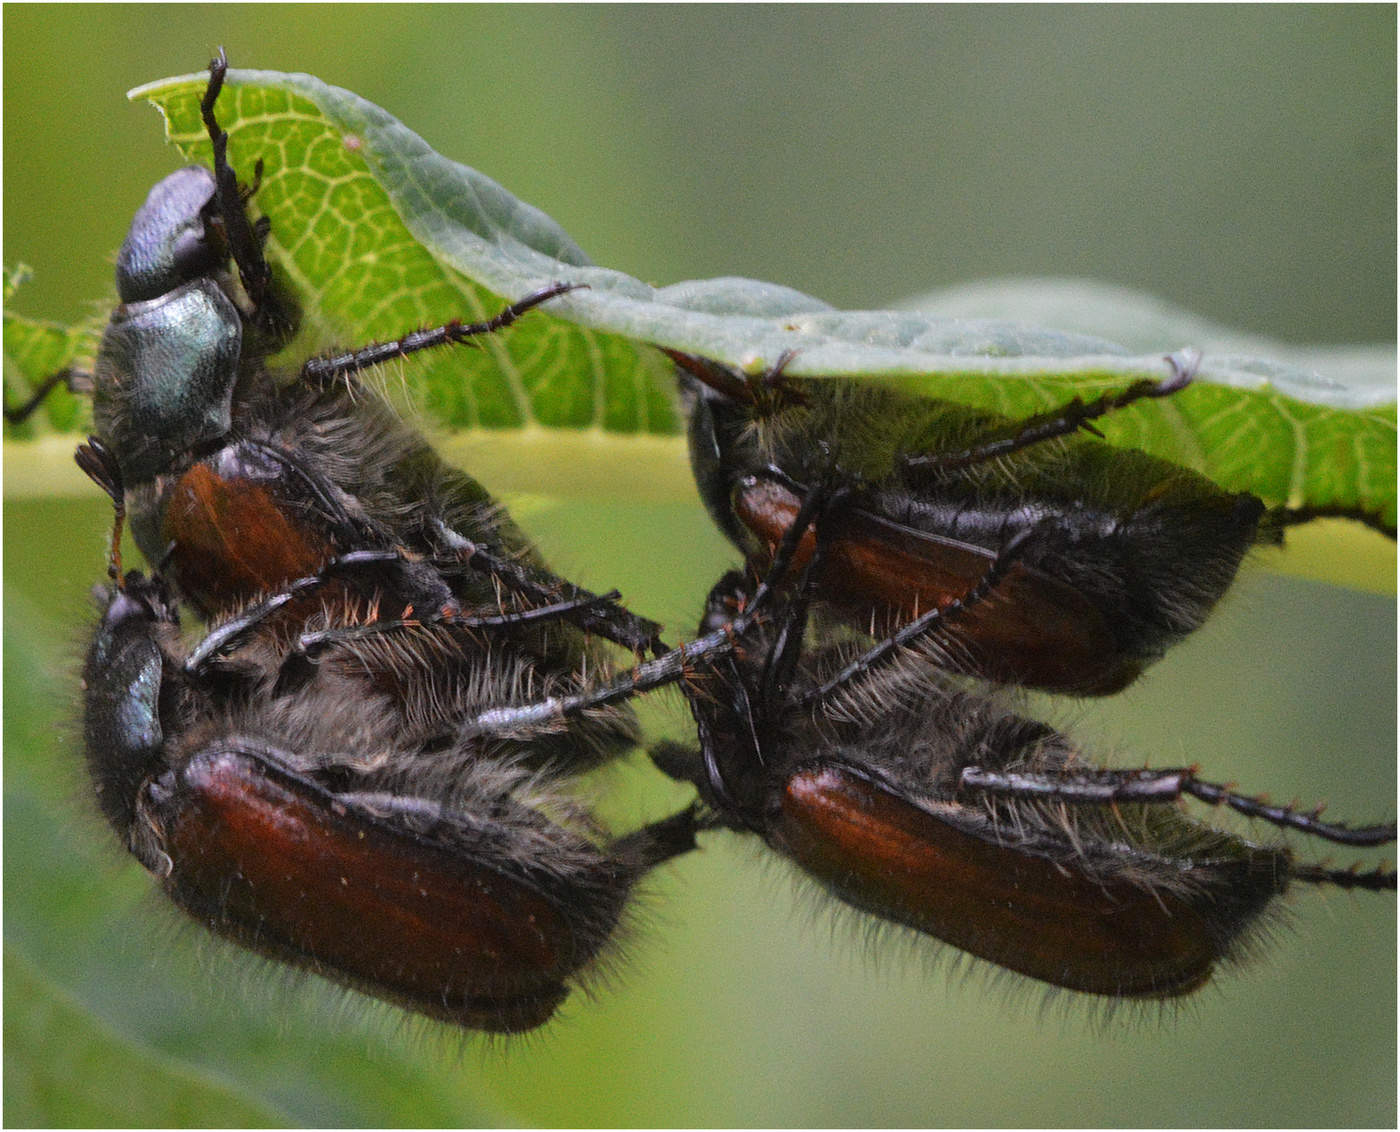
(928, 622)
(231, 633)
(322, 371)
(607, 618)
(243, 243)
(70, 377)
(1104, 787)
(311, 645)
(1064, 421)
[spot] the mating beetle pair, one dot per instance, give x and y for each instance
(917, 797)
(290, 795)
(392, 577)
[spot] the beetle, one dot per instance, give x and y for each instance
(237, 480)
(932, 805)
(353, 817)
(918, 798)
(1117, 555)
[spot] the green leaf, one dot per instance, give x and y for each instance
(54, 1043)
(34, 350)
(378, 233)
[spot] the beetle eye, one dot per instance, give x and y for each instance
(194, 253)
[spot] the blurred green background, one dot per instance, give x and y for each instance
(1237, 161)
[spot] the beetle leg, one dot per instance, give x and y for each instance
(324, 370)
(1064, 421)
(1105, 787)
(1379, 879)
(311, 645)
(782, 659)
(71, 377)
(243, 242)
(662, 840)
(607, 618)
(274, 311)
(928, 622)
(230, 634)
(1281, 517)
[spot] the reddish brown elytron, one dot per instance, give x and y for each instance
(300, 875)
(882, 574)
(935, 870)
(232, 539)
